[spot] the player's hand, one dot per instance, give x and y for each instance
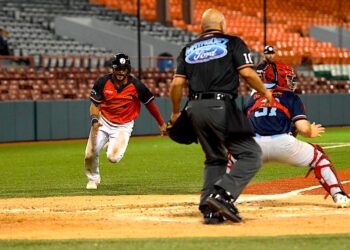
(162, 129)
(269, 97)
(174, 117)
(316, 130)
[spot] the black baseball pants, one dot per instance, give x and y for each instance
(209, 119)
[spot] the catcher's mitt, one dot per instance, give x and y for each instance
(182, 130)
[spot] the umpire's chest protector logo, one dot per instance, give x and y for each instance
(207, 50)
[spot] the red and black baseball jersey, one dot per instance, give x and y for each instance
(120, 105)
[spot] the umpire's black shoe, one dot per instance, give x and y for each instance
(211, 217)
(221, 203)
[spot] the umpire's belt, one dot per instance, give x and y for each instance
(210, 95)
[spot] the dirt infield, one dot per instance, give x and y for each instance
(161, 216)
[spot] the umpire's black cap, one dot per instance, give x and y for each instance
(269, 50)
(121, 61)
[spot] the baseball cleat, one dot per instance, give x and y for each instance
(224, 207)
(92, 184)
(341, 200)
(213, 218)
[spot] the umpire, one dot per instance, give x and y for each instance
(212, 64)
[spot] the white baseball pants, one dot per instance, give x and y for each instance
(288, 149)
(118, 136)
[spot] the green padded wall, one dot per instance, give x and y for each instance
(62, 119)
(17, 121)
(69, 119)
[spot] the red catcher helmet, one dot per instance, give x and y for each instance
(286, 76)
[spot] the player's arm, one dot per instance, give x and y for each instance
(254, 81)
(176, 95)
(307, 129)
(147, 99)
(94, 113)
(154, 111)
(177, 85)
(96, 98)
(244, 65)
(301, 123)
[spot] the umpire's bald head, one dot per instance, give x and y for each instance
(212, 19)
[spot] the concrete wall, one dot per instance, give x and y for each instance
(331, 34)
(108, 35)
(69, 119)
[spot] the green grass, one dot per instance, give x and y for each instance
(56, 168)
(338, 242)
(150, 166)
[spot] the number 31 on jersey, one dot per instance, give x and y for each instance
(266, 111)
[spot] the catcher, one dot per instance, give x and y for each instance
(273, 127)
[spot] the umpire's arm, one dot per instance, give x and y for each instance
(175, 95)
(252, 78)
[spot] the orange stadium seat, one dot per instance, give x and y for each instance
(287, 30)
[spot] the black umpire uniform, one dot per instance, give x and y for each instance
(211, 64)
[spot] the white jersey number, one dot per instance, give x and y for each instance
(248, 59)
(265, 112)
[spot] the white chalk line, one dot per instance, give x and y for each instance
(45, 210)
(280, 196)
(337, 146)
(332, 143)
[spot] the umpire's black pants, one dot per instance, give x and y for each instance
(209, 119)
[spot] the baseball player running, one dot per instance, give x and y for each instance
(273, 127)
(116, 101)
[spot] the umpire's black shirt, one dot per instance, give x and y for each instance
(211, 63)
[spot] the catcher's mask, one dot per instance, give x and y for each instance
(121, 61)
(286, 76)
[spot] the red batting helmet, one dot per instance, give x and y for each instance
(286, 76)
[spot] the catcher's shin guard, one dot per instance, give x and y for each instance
(320, 161)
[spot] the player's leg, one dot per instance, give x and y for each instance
(247, 154)
(293, 151)
(266, 148)
(92, 151)
(327, 176)
(265, 145)
(207, 119)
(118, 141)
(213, 170)
(228, 188)
(214, 163)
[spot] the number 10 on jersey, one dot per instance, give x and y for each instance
(248, 58)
